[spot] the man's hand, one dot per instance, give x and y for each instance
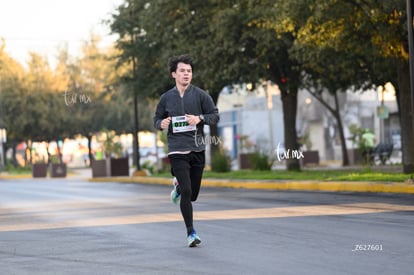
(193, 120)
(165, 123)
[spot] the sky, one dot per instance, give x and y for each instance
(42, 26)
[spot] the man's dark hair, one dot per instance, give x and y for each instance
(173, 62)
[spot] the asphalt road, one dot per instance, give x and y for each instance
(72, 226)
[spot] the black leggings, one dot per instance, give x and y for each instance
(188, 169)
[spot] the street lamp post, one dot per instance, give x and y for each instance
(136, 120)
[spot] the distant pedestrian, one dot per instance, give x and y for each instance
(368, 142)
(183, 111)
(86, 159)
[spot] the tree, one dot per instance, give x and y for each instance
(44, 116)
(226, 39)
(89, 92)
(133, 40)
(283, 41)
(12, 97)
(329, 45)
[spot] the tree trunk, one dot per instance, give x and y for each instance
(215, 146)
(91, 156)
(14, 152)
(406, 117)
(336, 112)
(28, 151)
(290, 102)
(4, 150)
(59, 152)
(345, 159)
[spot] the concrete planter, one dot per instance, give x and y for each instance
(119, 167)
(355, 157)
(39, 170)
(110, 167)
(58, 170)
(245, 160)
(99, 168)
(310, 158)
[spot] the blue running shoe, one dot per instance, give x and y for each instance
(193, 239)
(175, 194)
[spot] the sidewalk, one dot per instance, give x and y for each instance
(285, 185)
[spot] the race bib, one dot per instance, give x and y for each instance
(180, 124)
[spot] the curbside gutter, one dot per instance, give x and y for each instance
(325, 186)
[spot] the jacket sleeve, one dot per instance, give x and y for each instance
(160, 113)
(209, 110)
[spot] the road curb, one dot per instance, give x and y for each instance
(325, 186)
(5, 177)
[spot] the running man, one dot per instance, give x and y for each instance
(183, 111)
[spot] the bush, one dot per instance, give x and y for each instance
(148, 166)
(261, 161)
(18, 170)
(220, 162)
